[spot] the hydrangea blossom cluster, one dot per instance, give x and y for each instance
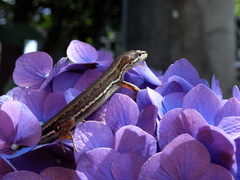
(176, 127)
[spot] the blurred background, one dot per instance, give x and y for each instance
(206, 32)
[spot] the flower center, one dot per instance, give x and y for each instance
(15, 147)
(46, 76)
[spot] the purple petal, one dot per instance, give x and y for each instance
(27, 127)
(205, 82)
(189, 121)
(59, 67)
(4, 98)
(235, 92)
(169, 87)
(70, 94)
(220, 147)
(150, 97)
(134, 162)
(7, 127)
(186, 86)
(152, 169)
(216, 172)
(100, 114)
(7, 133)
(62, 173)
(204, 101)
(53, 103)
(158, 73)
(216, 87)
(32, 69)
(133, 77)
(237, 141)
(182, 158)
(121, 111)
(17, 92)
(147, 119)
(35, 100)
(64, 81)
(182, 153)
(105, 58)
(90, 135)
(86, 79)
(80, 52)
(43, 104)
(231, 125)
(230, 108)
(165, 125)
(97, 163)
(21, 175)
(131, 139)
(173, 100)
(146, 74)
(183, 69)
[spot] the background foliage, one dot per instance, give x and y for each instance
(95, 22)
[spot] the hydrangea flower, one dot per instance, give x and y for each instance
(220, 146)
(18, 127)
(105, 154)
(176, 127)
(183, 158)
(48, 173)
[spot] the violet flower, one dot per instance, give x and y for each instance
(32, 69)
(220, 146)
(176, 127)
(183, 158)
(19, 127)
(102, 154)
(49, 173)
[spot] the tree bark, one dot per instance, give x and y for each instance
(201, 31)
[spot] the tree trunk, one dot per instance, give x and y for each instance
(201, 31)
